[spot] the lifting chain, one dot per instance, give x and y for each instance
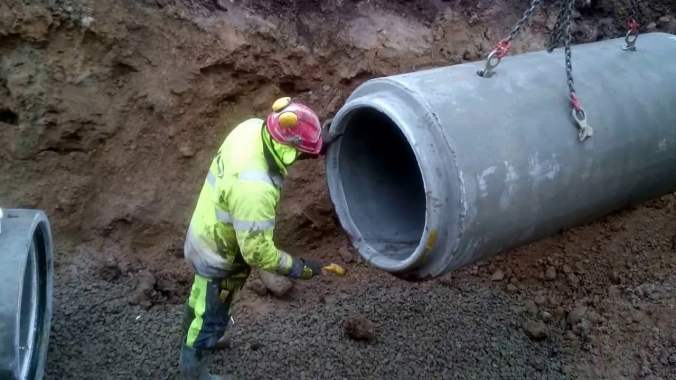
(563, 35)
(503, 46)
(632, 26)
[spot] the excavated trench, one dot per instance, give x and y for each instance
(110, 112)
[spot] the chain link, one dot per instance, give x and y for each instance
(563, 35)
(557, 32)
(632, 26)
(503, 46)
(635, 10)
(524, 19)
(566, 43)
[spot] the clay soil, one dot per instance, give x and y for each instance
(110, 112)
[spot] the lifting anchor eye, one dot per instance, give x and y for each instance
(492, 61)
(630, 40)
(632, 28)
(585, 131)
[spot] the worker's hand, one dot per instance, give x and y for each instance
(312, 268)
(304, 268)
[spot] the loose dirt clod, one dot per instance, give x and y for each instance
(110, 271)
(614, 277)
(258, 287)
(360, 328)
(536, 330)
(345, 254)
(576, 315)
(276, 284)
(144, 292)
(550, 273)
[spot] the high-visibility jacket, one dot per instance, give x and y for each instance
(232, 226)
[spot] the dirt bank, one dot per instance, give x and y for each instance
(111, 110)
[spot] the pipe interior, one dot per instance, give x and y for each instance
(382, 183)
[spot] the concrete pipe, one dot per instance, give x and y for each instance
(25, 293)
(437, 169)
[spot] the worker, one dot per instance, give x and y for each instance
(231, 229)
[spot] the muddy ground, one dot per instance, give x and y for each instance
(110, 112)
(594, 302)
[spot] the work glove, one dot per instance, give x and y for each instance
(304, 269)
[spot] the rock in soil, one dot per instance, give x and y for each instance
(550, 274)
(276, 284)
(547, 316)
(573, 280)
(576, 315)
(360, 328)
(536, 330)
(664, 20)
(110, 272)
(145, 289)
(615, 277)
(346, 255)
(258, 287)
(498, 275)
(186, 151)
(540, 299)
(221, 4)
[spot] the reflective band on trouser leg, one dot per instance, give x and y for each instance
(197, 302)
(188, 316)
(212, 304)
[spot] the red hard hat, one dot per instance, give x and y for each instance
(295, 124)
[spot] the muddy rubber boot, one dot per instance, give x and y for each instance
(192, 367)
(222, 344)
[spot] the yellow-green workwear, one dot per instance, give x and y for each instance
(232, 226)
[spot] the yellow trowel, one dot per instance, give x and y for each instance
(335, 269)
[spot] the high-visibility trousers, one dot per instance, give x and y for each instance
(208, 309)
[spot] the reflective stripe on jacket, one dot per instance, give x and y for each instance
(232, 226)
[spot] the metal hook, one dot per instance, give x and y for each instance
(585, 131)
(492, 61)
(630, 40)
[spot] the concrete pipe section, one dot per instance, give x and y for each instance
(25, 293)
(437, 169)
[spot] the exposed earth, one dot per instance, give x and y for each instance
(110, 112)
